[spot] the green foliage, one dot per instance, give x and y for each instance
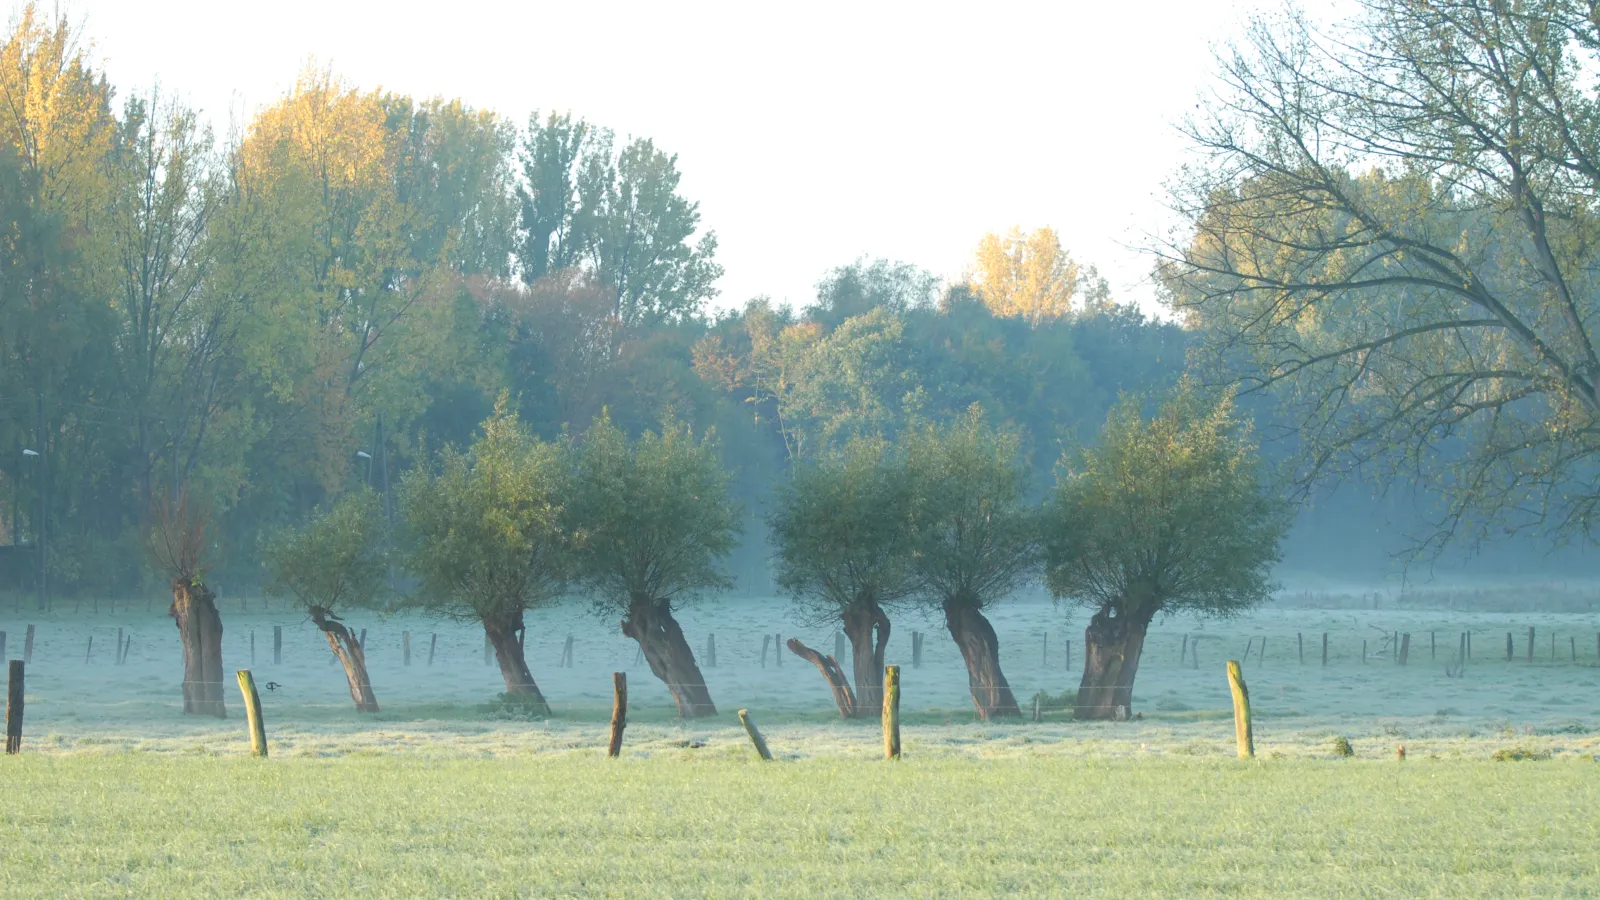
(483, 535)
(973, 537)
(1165, 514)
(841, 529)
(337, 560)
(653, 514)
(1520, 754)
(1341, 746)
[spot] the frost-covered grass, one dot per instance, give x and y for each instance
(708, 823)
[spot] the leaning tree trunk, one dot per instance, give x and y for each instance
(345, 646)
(1111, 659)
(194, 610)
(991, 694)
(502, 632)
(829, 667)
(650, 622)
(861, 620)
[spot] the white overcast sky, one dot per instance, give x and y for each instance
(810, 133)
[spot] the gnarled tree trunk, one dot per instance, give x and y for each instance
(1113, 645)
(502, 632)
(345, 646)
(194, 610)
(829, 667)
(650, 622)
(991, 694)
(867, 627)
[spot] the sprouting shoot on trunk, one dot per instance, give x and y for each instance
(177, 541)
(974, 540)
(842, 541)
(655, 521)
(335, 562)
(484, 538)
(1166, 515)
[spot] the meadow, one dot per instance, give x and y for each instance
(448, 793)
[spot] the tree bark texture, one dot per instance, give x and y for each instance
(829, 667)
(867, 627)
(991, 694)
(194, 611)
(650, 622)
(504, 633)
(344, 645)
(1113, 644)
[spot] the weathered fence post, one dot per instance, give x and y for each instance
(755, 735)
(1530, 643)
(433, 644)
(252, 713)
(891, 712)
(88, 650)
(1405, 647)
(1363, 651)
(27, 645)
(405, 648)
(1241, 711)
(777, 641)
(619, 712)
(277, 644)
(766, 641)
(1509, 651)
(1045, 659)
(1571, 640)
(1247, 647)
(1433, 647)
(1183, 652)
(1036, 714)
(1300, 643)
(1324, 649)
(126, 646)
(1552, 646)
(1469, 643)
(117, 657)
(916, 649)
(1261, 653)
(1069, 655)
(14, 708)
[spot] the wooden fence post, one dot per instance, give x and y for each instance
(1462, 651)
(619, 712)
(88, 650)
(405, 648)
(117, 657)
(1552, 646)
(755, 735)
(777, 641)
(1324, 649)
(1261, 652)
(277, 644)
(766, 641)
(1247, 647)
(363, 640)
(1036, 716)
(1571, 640)
(1045, 659)
(1405, 647)
(1363, 651)
(1183, 652)
(14, 708)
(711, 650)
(1469, 643)
(252, 714)
(1300, 643)
(433, 644)
(27, 645)
(122, 652)
(891, 712)
(1241, 712)
(1069, 656)
(1433, 647)
(916, 649)
(1530, 643)
(1509, 651)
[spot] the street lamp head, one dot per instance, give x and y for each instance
(27, 452)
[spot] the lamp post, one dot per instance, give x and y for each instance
(39, 529)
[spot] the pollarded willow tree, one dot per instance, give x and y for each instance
(1393, 230)
(1163, 516)
(655, 518)
(484, 537)
(335, 562)
(178, 542)
(841, 531)
(973, 540)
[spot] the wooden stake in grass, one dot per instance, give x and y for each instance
(88, 650)
(619, 712)
(1405, 647)
(1324, 649)
(1509, 651)
(1069, 655)
(1571, 640)
(891, 712)
(1045, 660)
(1530, 643)
(405, 647)
(916, 649)
(252, 713)
(1363, 652)
(277, 644)
(122, 654)
(1433, 647)
(433, 644)
(755, 733)
(1241, 711)
(1183, 652)
(777, 641)
(766, 641)
(117, 657)
(1300, 644)
(14, 708)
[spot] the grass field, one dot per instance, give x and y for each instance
(118, 794)
(690, 825)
